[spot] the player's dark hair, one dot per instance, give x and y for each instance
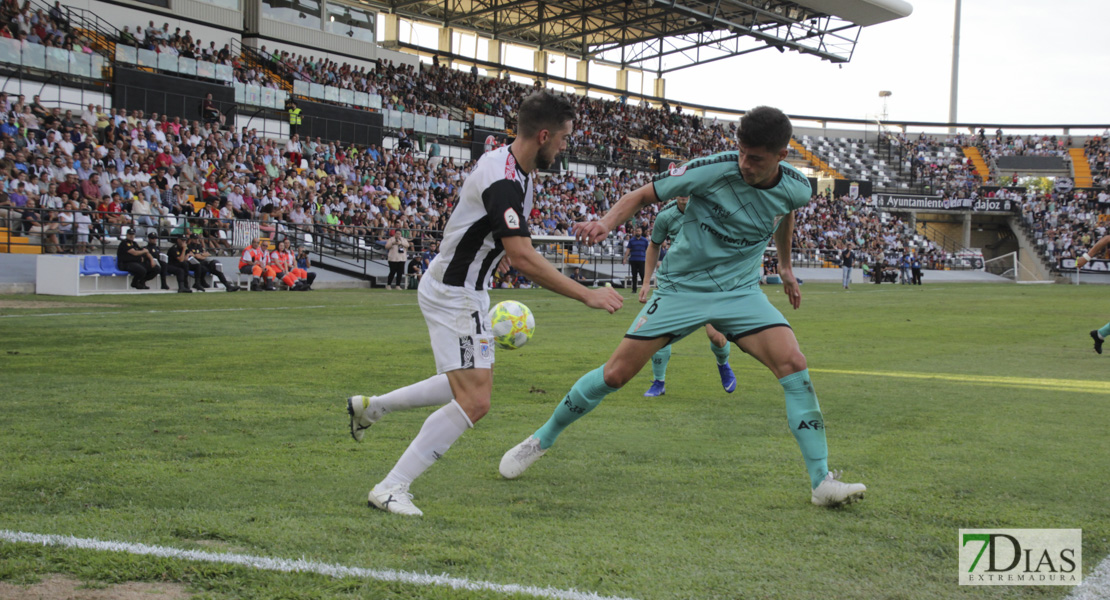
(542, 110)
(765, 127)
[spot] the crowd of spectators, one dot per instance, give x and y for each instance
(956, 176)
(614, 131)
(1065, 224)
(31, 25)
(1015, 145)
(930, 163)
(1097, 150)
(826, 226)
(84, 177)
(176, 42)
(78, 179)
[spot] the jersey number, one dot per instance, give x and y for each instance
(654, 306)
(477, 322)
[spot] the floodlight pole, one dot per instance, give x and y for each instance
(955, 87)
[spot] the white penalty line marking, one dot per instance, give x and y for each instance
(285, 565)
(154, 312)
(1096, 585)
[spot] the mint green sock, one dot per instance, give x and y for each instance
(1104, 331)
(587, 393)
(721, 353)
(659, 362)
(803, 413)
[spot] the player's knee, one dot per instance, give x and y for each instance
(475, 408)
(615, 379)
(791, 363)
(617, 374)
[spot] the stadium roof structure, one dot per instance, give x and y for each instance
(661, 35)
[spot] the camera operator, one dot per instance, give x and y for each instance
(303, 263)
(398, 253)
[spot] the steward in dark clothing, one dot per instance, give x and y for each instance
(137, 261)
(169, 267)
(178, 258)
(636, 255)
(203, 265)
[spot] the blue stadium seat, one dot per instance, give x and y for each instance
(108, 266)
(90, 266)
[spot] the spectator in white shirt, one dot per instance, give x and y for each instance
(89, 115)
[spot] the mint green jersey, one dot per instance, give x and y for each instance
(667, 224)
(727, 223)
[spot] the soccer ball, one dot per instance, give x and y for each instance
(513, 324)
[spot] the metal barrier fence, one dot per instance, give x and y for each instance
(355, 250)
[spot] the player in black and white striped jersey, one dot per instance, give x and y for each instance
(488, 229)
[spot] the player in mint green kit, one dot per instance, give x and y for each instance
(738, 201)
(1098, 335)
(667, 224)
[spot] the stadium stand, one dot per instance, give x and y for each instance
(1063, 224)
(72, 179)
(1097, 153)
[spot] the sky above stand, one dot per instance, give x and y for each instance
(1024, 62)
(1021, 62)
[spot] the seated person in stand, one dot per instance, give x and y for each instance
(282, 260)
(203, 261)
(177, 264)
(253, 262)
(136, 261)
(303, 263)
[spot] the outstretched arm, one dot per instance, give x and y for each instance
(784, 237)
(526, 260)
(651, 259)
(1094, 251)
(593, 232)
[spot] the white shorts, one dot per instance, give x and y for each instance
(458, 323)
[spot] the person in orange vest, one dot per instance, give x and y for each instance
(253, 262)
(283, 262)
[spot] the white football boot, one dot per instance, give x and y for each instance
(520, 457)
(395, 499)
(832, 492)
(364, 412)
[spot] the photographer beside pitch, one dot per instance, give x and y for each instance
(738, 201)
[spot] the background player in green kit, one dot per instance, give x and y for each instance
(1098, 335)
(667, 223)
(737, 202)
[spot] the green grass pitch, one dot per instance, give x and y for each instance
(216, 422)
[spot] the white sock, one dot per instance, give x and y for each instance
(433, 391)
(440, 430)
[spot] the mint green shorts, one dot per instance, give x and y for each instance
(675, 314)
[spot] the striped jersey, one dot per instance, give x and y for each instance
(493, 203)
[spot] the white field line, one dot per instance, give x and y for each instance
(298, 566)
(1095, 586)
(154, 312)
